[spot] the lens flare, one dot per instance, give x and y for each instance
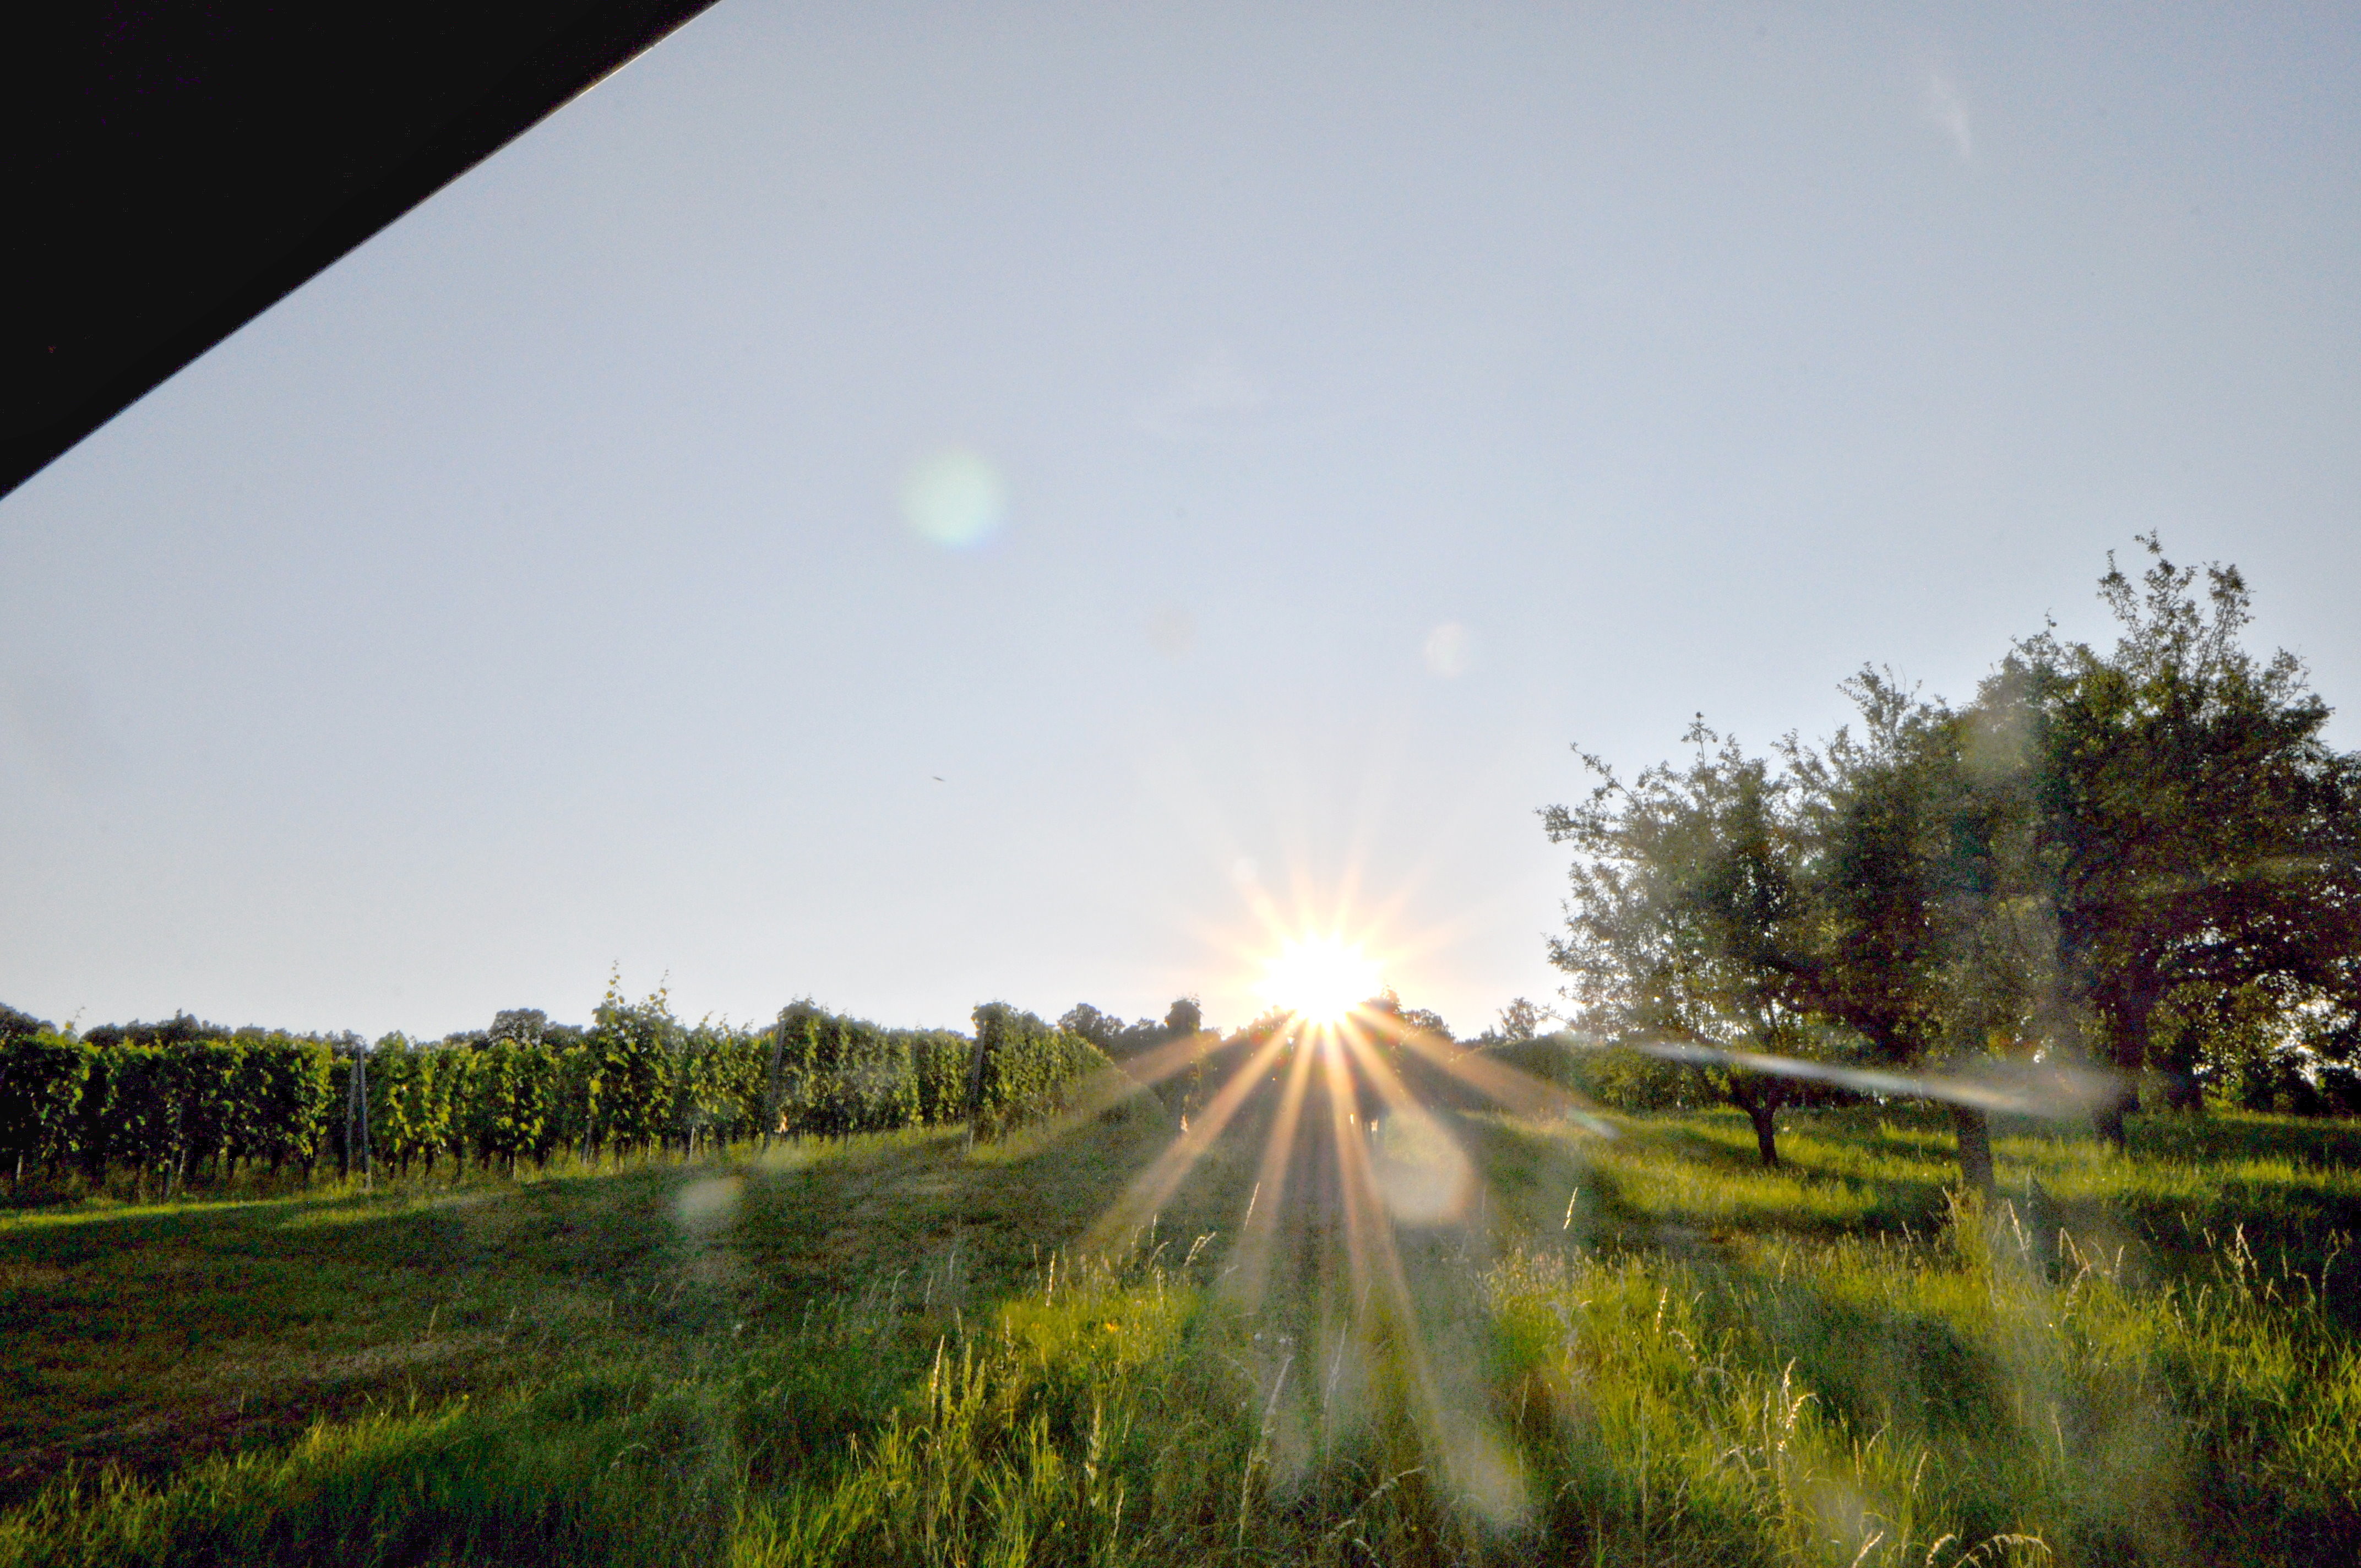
(954, 497)
(1447, 649)
(1319, 979)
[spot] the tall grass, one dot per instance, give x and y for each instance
(1637, 1353)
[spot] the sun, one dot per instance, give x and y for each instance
(1319, 979)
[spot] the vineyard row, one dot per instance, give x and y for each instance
(636, 1080)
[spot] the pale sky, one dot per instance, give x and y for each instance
(913, 506)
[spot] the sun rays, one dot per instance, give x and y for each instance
(1352, 1104)
(1363, 1208)
(1364, 1214)
(1349, 1129)
(1347, 1116)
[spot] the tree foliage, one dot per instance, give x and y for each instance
(2195, 830)
(1687, 922)
(2146, 858)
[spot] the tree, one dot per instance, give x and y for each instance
(180, 1029)
(520, 1023)
(1520, 1021)
(2193, 827)
(1183, 1018)
(2088, 861)
(1120, 1041)
(1914, 854)
(1684, 921)
(1101, 1029)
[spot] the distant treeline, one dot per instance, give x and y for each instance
(184, 1100)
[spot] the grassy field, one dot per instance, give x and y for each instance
(1637, 1349)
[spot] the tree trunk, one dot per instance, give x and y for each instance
(2107, 1117)
(1975, 1147)
(2183, 1092)
(1767, 1132)
(2132, 1004)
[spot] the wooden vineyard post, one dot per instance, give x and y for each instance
(771, 1083)
(975, 1082)
(356, 1147)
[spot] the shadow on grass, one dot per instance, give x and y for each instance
(2318, 1141)
(1678, 1187)
(147, 1338)
(762, 1332)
